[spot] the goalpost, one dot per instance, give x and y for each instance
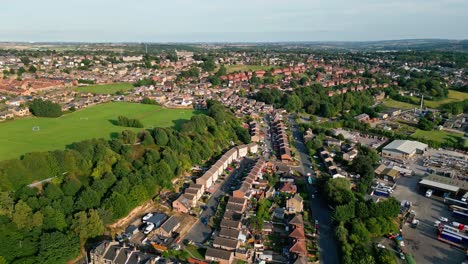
(36, 128)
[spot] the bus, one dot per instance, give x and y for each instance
(458, 208)
(452, 201)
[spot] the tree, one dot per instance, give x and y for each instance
(243, 134)
(385, 256)
(39, 107)
(214, 80)
(58, 248)
(293, 103)
(88, 198)
(160, 136)
(37, 219)
(128, 137)
(128, 122)
(338, 191)
(52, 191)
(208, 65)
(222, 71)
(425, 124)
(21, 70)
(53, 219)
(87, 225)
(117, 204)
(341, 233)
(22, 215)
(344, 212)
(149, 101)
(32, 69)
(7, 204)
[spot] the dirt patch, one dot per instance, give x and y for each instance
(139, 211)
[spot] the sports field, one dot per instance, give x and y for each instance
(397, 104)
(242, 68)
(453, 96)
(105, 88)
(17, 137)
(437, 135)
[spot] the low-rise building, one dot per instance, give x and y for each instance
(295, 204)
(169, 226)
(219, 255)
(403, 149)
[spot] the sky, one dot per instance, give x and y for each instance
(231, 20)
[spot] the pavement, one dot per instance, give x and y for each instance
(200, 232)
(422, 242)
(326, 239)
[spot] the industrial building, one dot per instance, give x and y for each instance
(443, 185)
(403, 149)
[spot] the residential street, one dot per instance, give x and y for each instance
(201, 232)
(327, 243)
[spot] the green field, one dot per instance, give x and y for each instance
(105, 88)
(242, 68)
(437, 135)
(453, 96)
(397, 104)
(17, 136)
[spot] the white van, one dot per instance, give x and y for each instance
(429, 193)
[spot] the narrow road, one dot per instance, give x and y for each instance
(40, 182)
(201, 232)
(326, 238)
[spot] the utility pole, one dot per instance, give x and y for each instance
(422, 101)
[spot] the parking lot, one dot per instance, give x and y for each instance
(363, 139)
(422, 241)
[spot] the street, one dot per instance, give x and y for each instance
(201, 232)
(326, 238)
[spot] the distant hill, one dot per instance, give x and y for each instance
(382, 45)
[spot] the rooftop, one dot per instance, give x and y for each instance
(444, 183)
(405, 146)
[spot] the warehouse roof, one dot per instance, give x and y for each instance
(405, 146)
(444, 183)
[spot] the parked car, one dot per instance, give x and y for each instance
(119, 238)
(380, 245)
(402, 255)
(147, 217)
(429, 193)
(443, 219)
(149, 228)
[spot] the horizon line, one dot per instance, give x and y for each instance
(222, 42)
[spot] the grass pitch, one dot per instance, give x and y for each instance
(31, 134)
(105, 88)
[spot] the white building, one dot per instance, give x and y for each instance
(403, 149)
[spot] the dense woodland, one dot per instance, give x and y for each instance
(128, 122)
(44, 108)
(97, 182)
(314, 100)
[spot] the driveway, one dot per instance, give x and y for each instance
(327, 243)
